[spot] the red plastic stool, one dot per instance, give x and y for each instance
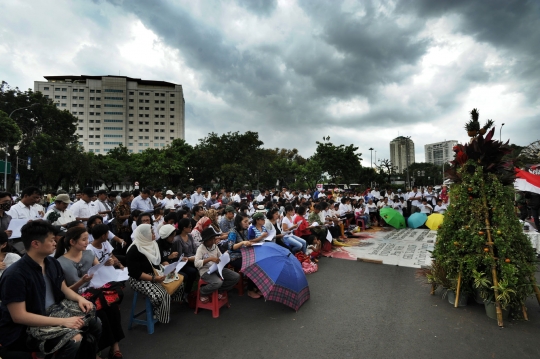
(214, 304)
(361, 220)
(240, 285)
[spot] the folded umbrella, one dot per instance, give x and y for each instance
(393, 218)
(277, 273)
(434, 221)
(417, 219)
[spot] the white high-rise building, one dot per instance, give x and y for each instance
(114, 110)
(401, 153)
(440, 152)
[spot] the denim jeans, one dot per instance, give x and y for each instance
(295, 243)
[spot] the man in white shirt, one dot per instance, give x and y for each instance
(425, 207)
(142, 202)
(399, 205)
(260, 197)
(179, 200)
(198, 197)
(236, 198)
(440, 207)
(60, 211)
(25, 209)
(168, 202)
(376, 194)
(103, 207)
(415, 196)
(84, 208)
(390, 195)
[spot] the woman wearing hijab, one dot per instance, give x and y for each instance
(201, 225)
(142, 257)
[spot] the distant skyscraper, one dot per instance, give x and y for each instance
(114, 110)
(440, 152)
(401, 153)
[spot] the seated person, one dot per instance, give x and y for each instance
(75, 263)
(101, 246)
(425, 207)
(97, 219)
(25, 306)
(294, 242)
(142, 257)
(207, 254)
(6, 257)
(185, 245)
(440, 207)
(168, 253)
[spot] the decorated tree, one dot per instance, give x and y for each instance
(481, 246)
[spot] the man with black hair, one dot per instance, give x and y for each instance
(198, 197)
(25, 208)
(198, 213)
(143, 202)
(5, 206)
(32, 285)
(111, 201)
(213, 200)
(237, 197)
(102, 205)
(85, 208)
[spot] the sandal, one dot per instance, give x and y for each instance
(204, 299)
(115, 355)
(254, 295)
(221, 296)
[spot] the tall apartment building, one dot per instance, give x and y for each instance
(401, 153)
(440, 152)
(114, 110)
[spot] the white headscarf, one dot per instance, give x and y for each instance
(144, 243)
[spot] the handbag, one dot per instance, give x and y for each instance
(172, 281)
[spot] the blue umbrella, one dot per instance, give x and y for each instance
(277, 273)
(417, 219)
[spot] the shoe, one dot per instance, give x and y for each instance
(253, 295)
(115, 355)
(204, 299)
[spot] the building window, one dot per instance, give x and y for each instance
(57, 104)
(156, 108)
(90, 136)
(172, 138)
(114, 98)
(81, 121)
(64, 97)
(92, 98)
(98, 106)
(156, 116)
(98, 91)
(91, 143)
(171, 109)
(141, 100)
(91, 150)
(162, 123)
(147, 108)
(75, 90)
(131, 115)
(98, 98)
(141, 108)
(91, 129)
(113, 113)
(172, 102)
(80, 128)
(172, 131)
(98, 113)
(74, 112)
(113, 143)
(96, 151)
(74, 97)
(57, 89)
(97, 143)
(113, 90)
(64, 89)
(81, 90)
(92, 91)
(157, 101)
(146, 101)
(97, 136)
(162, 116)
(81, 113)
(146, 115)
(113, 121)
(131, 93)
(46, 88)
(91, 113)
(112, 105)
(172, 123)
(163, 109)
(172, 95)
(81, 105)
(63, 105)
(162, 101)
(156, 130)
(98, 121)
(141, 115)
(81, 98)
(147, 130)
(130, 144)
(130, 137)
(131, 107)
(113, 129)
(130, 130)
(57, 96)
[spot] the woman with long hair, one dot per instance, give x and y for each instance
(186, 246)
(236, 240)
(75, 262)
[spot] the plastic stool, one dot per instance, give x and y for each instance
(361, 220)
(240, 285)
(214, 304)
(150, 320)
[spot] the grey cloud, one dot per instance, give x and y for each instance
(259, 7)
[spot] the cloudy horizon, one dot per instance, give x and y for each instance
(296, 71)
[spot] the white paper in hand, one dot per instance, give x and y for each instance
(15, 226)
(95, 268)
(329, 236)
(315, 224)
(169, 268)
(271, 236)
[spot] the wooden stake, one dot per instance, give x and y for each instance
(433, 288)
(457, 290)
(536, 290)
(524, 309)
(494, 266)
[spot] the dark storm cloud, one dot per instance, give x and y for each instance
(258, 7)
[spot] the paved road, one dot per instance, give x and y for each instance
(356, 310)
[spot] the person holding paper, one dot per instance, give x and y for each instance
(208, 254)
(25, 209)
(5, 206)
(142, 257)
(169, 252)
(94, 221)
(303, 231)
(75, 263)
(257, 232)
(187, 248)
(316, 228)
(294, 242)
(102, 248)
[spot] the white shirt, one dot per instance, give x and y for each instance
(39, 208)
(381, 204)
(440, 209)
(102, 207)
(236, 198)
(143, 205)
(430, 195)
(9, 259)
(20, 211)
(289, 224)
(371, 208)
(398, 206)
(81, 209)
(65, 216)
(376, 194)
(196, 198)
(106, 250)
(168, 203)
(178, 202)
(343, 209)
(415, 202)
(260, 198)
(425, 208)
(110, 236)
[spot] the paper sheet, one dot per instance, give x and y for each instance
(216, 205)
(271, 235)
(169, 268)
(314, 224)
(329, 236)
(180, 264)
(95, 268)
(106, 274)
(223, 261)
(257, 243)
(15, 225)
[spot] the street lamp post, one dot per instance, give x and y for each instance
(500, 131)
(407, 159)
(371, 151)
(6, 164)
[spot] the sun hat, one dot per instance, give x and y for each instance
(166, 230)
(258, 215)
(170, 192)
(208, 234)
(63, 198)
(260, 208)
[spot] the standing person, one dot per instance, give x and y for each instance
(143, 202)
(5, 219)
(29, 288)
(122, 213)
(179, 200)
(168, 202)
(207, 254)
(431, 196)
(59, 214)
(84, 208)
(6, 257)
(187, 247)
(103, 207)
(198, 197)
(142, 258)
(187, 201)
(25, 208)
(375, 194)
(76, 262)
(533, 201)
(414, 198)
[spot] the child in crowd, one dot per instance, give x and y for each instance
(440, 207)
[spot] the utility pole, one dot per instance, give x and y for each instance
(500, 131)
(407, 159)
(371, 151)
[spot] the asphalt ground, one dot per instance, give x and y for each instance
(356, 310)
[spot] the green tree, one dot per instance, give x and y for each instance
(425, 174)
(342, 163)
(11, 133)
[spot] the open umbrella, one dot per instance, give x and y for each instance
(434, 221)
(393, 218)
(277, 273)
(417, 219)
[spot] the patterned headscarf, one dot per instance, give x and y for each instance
(213, 215)
(202, 224)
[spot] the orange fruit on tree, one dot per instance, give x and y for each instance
(507, 260)
(486, 249)
(481, 233)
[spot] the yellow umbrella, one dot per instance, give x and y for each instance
(434, 221)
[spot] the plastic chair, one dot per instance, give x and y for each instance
(214, 304)
(150, 320)
(361, 220)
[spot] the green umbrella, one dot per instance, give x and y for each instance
(393, 218)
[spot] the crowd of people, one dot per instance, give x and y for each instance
(146, 230)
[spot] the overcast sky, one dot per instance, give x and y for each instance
(361, 72)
